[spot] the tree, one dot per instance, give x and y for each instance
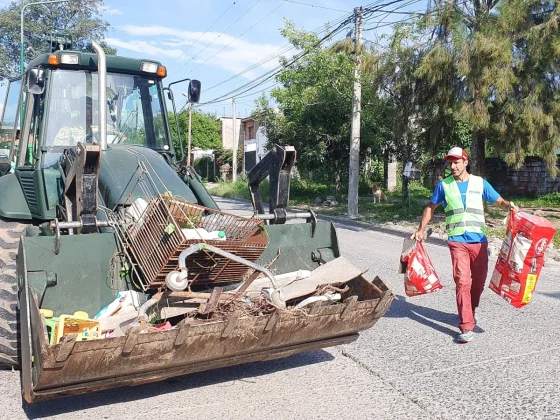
(396, 79)
(81, 19)
(205, 131)
(315, 105)
(493, 66)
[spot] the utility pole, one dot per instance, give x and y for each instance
(234, 120)
(354, 167)
(189, 136)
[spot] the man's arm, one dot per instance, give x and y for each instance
(506, 205)
(426, 217)
(490, 195)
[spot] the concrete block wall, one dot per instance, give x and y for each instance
(532, 179)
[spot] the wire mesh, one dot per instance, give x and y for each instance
(153, 229)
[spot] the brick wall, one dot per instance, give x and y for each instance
(532, 179)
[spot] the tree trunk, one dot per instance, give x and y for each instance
(386, 169)
(406, 158)
(337, 182)
(477, 156)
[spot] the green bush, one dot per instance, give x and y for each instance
(301, 191)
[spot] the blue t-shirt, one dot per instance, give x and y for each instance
(489, 194)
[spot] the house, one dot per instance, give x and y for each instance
(250, 136)
(226, 132)
(255, 143)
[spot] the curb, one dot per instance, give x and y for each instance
(345, 221)
(342, 220)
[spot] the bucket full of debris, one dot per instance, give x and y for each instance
(175, 333)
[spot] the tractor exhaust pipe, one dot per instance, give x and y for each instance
(102, 93)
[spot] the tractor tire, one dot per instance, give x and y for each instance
(9, 322)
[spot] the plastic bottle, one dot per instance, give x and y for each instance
(136, 210)
(203, 234)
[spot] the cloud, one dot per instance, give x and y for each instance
(180, 36)
(111, 11)
(143, 47)
(201, 49)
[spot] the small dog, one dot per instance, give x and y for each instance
(378, 193)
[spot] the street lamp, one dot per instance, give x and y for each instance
(21, 47)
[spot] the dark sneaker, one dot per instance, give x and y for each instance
(465, 337)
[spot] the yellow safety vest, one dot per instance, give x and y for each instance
(470, 218)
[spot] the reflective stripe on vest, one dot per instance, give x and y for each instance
(459, 219)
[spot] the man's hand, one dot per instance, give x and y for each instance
(418, 235)
(513, 207)
(506, 205)
(426, 217)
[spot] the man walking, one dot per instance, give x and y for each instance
(462, 195)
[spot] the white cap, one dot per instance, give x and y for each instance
(456, 153)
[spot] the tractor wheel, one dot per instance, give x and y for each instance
(9, 323)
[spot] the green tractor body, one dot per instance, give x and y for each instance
(74, 269)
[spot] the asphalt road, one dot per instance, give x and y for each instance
(407, 366)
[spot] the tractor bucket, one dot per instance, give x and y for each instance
(77, 279)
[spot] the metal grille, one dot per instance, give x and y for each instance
(153, 238)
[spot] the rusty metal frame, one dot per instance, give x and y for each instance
(153, 243)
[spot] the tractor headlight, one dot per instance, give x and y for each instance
(149, 67)
(69, 59)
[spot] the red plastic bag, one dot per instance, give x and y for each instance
(420, 276)
(521, 258)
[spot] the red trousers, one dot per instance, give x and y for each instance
(470, 267)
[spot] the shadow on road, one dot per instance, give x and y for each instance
(425, 316)
(244, 372)
(555, 295)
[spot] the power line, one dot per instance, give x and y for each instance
(391, 11)
(412, 15)
(225, 46)
(284, 49)
(368, 12)
(204, 33)
(268, 58)
(268, 75)
(317, 6)
(221, 33)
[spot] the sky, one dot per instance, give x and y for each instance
(215, 40)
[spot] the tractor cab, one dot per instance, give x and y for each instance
(58, 99)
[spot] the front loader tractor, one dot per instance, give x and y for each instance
(118, 268)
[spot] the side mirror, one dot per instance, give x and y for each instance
(194, 91)
(36, 81)
(170, 95)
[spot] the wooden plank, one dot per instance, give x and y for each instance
(272, 320)
(131, 340)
